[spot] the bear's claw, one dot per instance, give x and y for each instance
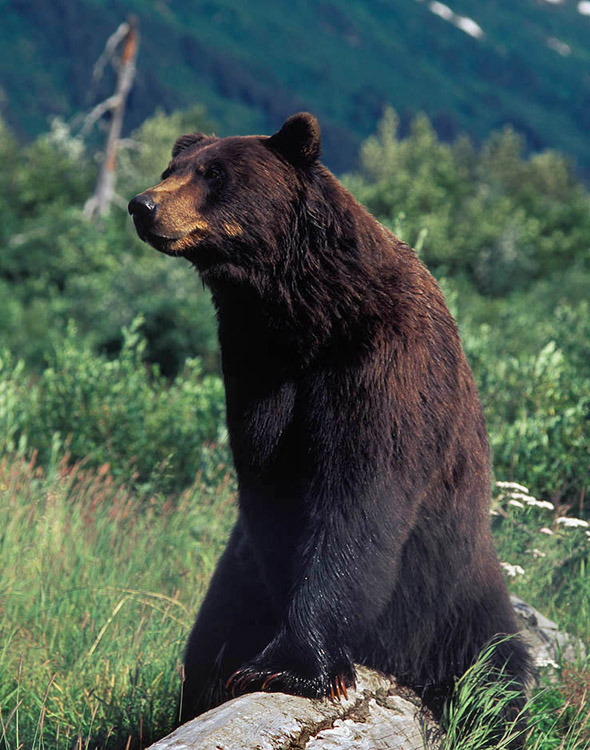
(338, 688)
(247, 679)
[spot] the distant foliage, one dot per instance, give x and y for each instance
(56, 266)
(534, 382)
(501, 219)
(116, 412)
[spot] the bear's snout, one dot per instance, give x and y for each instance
(142, 208)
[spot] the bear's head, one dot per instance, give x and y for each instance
(230, 203)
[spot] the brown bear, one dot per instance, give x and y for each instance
(358, 438)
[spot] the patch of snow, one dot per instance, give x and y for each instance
(468, 25)
(559, 46)
(584, 8)
(441, 10)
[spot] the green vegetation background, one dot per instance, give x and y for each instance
(116, 489)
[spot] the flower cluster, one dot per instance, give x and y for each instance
(512, 570)
(516, 532)
(573, 523)
(519, 496)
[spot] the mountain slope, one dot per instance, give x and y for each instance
(472, 67)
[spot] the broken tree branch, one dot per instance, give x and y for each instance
(98, 205)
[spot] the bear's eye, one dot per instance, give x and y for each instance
(212, 174)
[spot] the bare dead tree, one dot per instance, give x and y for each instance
(121, 50)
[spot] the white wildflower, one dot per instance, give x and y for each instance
(537, 553)
(584, 8)
(512, 486)
(545, 530)
(544, 661)
(512, 570)
(540, 503)
(520, 496)
(516, 503)
(529, 500)
(573, 523)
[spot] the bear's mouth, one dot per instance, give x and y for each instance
(170, 244)
(190, 245)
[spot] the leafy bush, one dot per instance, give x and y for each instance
(531, 366)
(117, 412)
(55, 265)
(493, 215)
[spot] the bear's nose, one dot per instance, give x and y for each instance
(142, 207)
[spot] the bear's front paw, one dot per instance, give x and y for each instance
(265, 673)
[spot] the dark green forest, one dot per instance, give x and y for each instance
(254, 64)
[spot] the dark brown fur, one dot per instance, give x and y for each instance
(358, 438)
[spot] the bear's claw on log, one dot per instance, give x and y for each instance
(245, 679)
(341, 687)
(239, 681)
(338, 688)
(269, 679)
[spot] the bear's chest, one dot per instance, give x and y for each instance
(265, 433)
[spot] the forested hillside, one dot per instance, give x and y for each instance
(471, 66)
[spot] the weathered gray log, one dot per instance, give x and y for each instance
(378, 715)
(375, 717)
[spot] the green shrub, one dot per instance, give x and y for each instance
(496, 216)
(531, 366)
(118, 412)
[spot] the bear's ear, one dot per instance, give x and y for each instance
(298, 140)
(191, 139)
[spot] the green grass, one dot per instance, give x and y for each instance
(552, 552)
(555, 717)
(547, 563)
(99, 587)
